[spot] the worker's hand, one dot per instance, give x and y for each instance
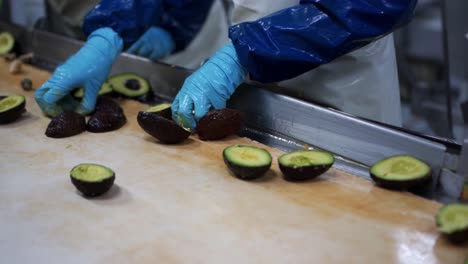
(88, 68)
(208, 87)
(155, 44)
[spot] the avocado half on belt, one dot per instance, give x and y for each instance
(105, 89)
(400, 172)
(247, 162)
(7, 41)
(452, 221)
(92, 179)
(129, 85)
(220, 123)
(11, 108)
(157, 121)
(305, 164)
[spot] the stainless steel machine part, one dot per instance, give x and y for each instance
(281, 121)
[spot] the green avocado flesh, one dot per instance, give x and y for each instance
(11, 102)
(105, 89)
(305, 158)
(247, 156)
(129, 84)
(400, 168)
(91, 173)
(453, 218)
(158, 108)
(7, 42)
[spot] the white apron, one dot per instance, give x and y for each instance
(362, 83)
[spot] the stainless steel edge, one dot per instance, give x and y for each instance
(344, 135)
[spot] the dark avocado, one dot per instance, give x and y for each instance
(104, 90)
(26, 84)
(464, 194)
(129, 85)
(108, 116)
(157, 122)
(7, 41)
(400, 172)
(92, 179)
(247, 162)
(304, 165)
(66, 124)
(218, 124)
(11, 108)
(452, 221)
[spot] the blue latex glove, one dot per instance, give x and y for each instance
(155, 44)
(88, 68)
(210, 86)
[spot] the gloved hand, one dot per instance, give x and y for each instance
(155, 44)
(210, 86)
(88, 68)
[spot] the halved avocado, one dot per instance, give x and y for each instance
(220, 123)
(11, 108)
(305, 164)
(247, 162)
(7, 41)
(157, 122)
(108, 116)
(66, 124)
(105, 89)
(92, 179)
(452, 221)
(129, 84)
(400, 172)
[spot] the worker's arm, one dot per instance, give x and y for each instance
(181, 19)
(295, 40)
(284, 45)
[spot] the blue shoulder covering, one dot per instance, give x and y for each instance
(183, 19)
(295, 40)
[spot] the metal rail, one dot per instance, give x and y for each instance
(284, 122)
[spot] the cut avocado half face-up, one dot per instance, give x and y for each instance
(11, 108)
(400, 172)
(452, 221)
(247, 162)
(92, 179)
(305, 164)
(105, 89)
(7, 41)
(129, 84)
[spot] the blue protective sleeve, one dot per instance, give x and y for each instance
(183, 19)
(295, 40)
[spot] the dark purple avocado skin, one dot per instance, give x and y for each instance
(403, 184)
(108, 116)
(66, 124)
(93, 189)
(12, 114)
(220, 123)
(246, 173)
(162, 128)
(303, 173)
(458, 237)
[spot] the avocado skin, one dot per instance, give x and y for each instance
(402, 184)
(162, 128)
(12, 114)
(66, 124)
(458, 237)
(220, 123)
(246, 173)
(93, 189)
(108, 116)
(303, 173)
